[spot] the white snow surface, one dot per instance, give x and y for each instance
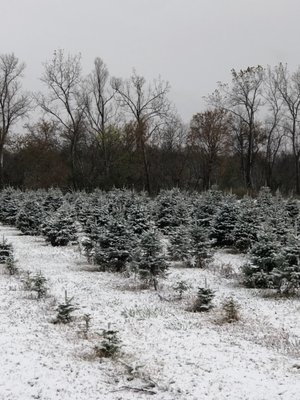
(173, 353)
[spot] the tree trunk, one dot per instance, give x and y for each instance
(1, 166)
(269, 174)
(249, 161)
(146, 169)
(141, 148)
(73, 166)
(297, 174)
(248, 176)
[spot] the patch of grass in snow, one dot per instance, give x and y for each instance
(282, 341)
(274, 294)
(133, 286)
(144, 312)
(183, 324)
(264, 334)
(225, 270)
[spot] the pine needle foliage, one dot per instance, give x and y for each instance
(203, 301)
(6, 250)
(39, 285)
(181, 287)
(11, 266)
(110, 345)
(65, 310)
(230, 308)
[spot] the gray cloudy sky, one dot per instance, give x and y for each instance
(191, 43)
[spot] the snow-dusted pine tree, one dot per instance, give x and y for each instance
(265, 256)
(225, 222)
(286, 276)
(181, 246)
(205, 207)
(148, 263)
(60, 227)
(247, 226)
(171, 210)
(30, 217)
(113, 246)
(201, 246)
(10, 202)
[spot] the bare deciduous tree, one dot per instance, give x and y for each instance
(62, 76)
(100, 109)
(148, 107)
(209, 132)
(243, 99)
(288, 86)
(273, 127)
(14, 104)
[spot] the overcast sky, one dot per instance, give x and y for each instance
(191, 43)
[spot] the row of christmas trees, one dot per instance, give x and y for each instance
(121, 230)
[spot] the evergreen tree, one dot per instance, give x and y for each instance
(110, 344)
(265, 256)
(65, 310)
(10, 203)
(201, 246)
(29, 218)
(225, 222)
(206, 206)
(230, 309)
(286, 276)
(247, 226)
(264, 201)
(138, 217)
(277, 218)
(53, 200)
(292, 208)
(113, 247)
(148, 263)
(204, 299)
(181, 244)
(6, 250)
(39, 285)
(60, 228)
(172, 209)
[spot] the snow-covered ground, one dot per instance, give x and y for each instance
(167, 352)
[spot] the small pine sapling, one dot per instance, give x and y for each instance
(86, 325)
(230, 308)
(180, 287)
(27, 281)
(110, 345)
(6, 250)
(11, 266)
(65, 310)
(39, 285)
(203, 301)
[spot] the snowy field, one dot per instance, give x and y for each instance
(167, 352)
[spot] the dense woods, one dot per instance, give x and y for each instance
(84, 132)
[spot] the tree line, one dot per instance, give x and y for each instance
(102, 131)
